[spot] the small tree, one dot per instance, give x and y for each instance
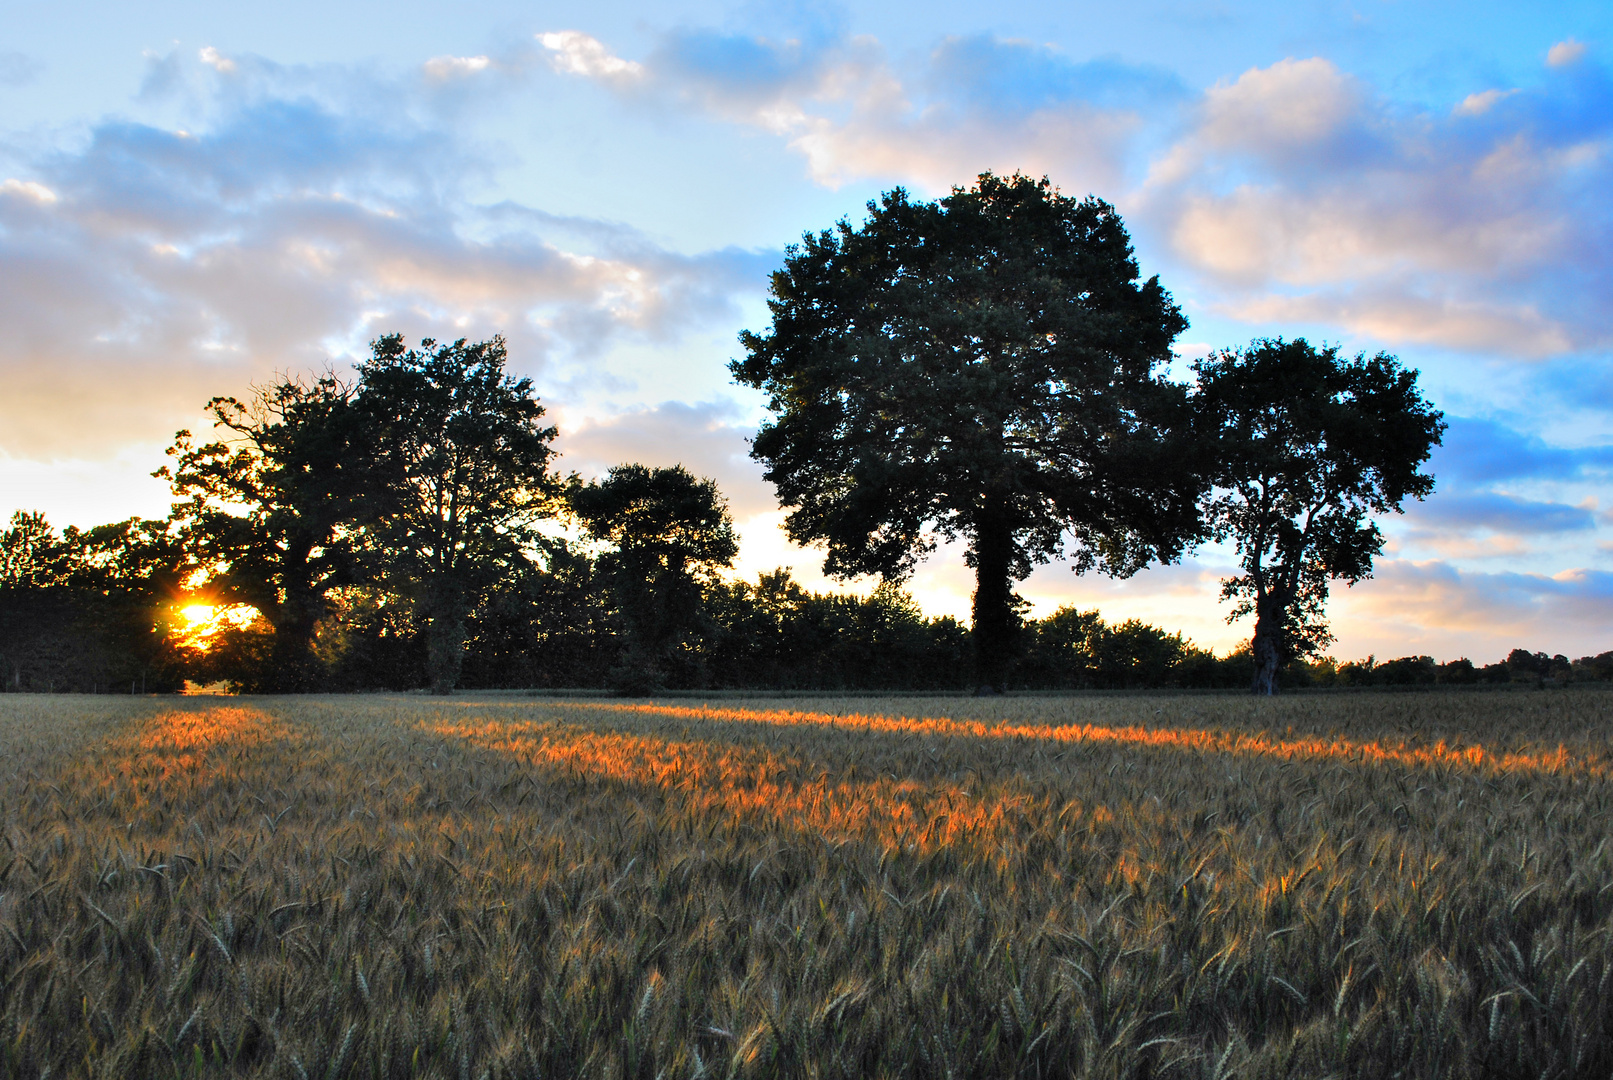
(460, 476)
(981, 368)
(1305, 447)
(269, 512)
(669, 532)
(91, 609)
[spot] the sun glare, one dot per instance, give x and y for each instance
(202, 621)
(197, 614)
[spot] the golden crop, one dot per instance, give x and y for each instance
(1362, 885)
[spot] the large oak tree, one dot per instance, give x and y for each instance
(1305, 447)
(985, 367)
(270, 511)
(460, 473)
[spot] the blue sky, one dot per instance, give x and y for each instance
(194, 197)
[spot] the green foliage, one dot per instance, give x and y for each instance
(91, 610)
(458, 475)
(1304, 447)
(545, 625)
(983, 368)
(270, 512)
(669, 533)
(775, 634)
(1078, 650)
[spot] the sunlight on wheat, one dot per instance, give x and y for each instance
(1473, 756)
(1097, 886)
(740, 782)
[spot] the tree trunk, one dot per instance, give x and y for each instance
(294, 667)
(445, 638)
(994, 620)
(1267, 643)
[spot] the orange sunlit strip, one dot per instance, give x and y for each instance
(1224, 742)
(179, 741)
(740, 781)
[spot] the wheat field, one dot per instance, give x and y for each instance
(500, 886)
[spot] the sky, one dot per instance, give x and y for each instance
(199, 197)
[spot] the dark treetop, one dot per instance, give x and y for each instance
(983, 368)
(670, 532)
(462, 472)
(1305, 447)
(269, 511)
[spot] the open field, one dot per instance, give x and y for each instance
(1363, 885)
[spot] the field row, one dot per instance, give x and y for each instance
(1128, 886)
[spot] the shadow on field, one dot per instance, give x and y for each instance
(400, 887)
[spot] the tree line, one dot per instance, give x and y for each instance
(100, 611)
(989, 368)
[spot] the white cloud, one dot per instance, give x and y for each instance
(28, 189)
(575, 53)
(1298, 196)
(1079, 145)
(852, 114)
(145, 272)
(215, 60)
(86, 491)
(1293, 188)
(1480, 103)
(1399, 318)
(1290, 103)
(444, 68)
(705, 438)
(1565, 53)
(1438, 609)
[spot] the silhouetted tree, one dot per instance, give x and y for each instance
(270, 513)
(1305, 447)
(460, 476)
(90, 610)
(33, 614)
(669, 533)
(547, 623)
(130, 578)
(980, 368)
(774, 633)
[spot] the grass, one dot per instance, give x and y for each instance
(1360, 885)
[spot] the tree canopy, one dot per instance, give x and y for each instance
(460, 473)
(270, 511)
(669, 533)
(1305, 446)
(985, 367)
(91, 609)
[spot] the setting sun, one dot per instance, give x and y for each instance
(197, 614)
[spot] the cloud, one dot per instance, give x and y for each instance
(1501, 513)
(1292, 105)
(1565, 53)
(18, 69)
(1444, 611)
(27, 189)
(575, 53)
(706, 438)
(1477, 451)
(145, 270)
(1480, 103)
(444, 68)
(215, 60)
(1298, 193)
(972, 103)
(1397, 319)
(1294, 192)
